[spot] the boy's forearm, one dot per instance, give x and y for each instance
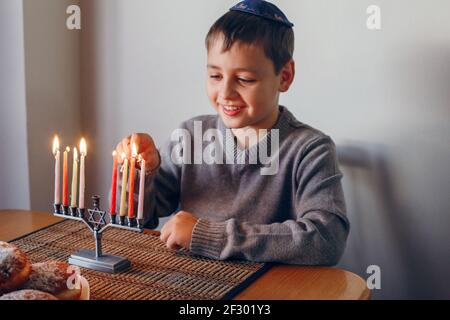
(318, 239)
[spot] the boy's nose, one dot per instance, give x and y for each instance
(227, 90)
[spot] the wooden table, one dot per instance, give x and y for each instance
(281, 282)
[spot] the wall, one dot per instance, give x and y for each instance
(52, 60)
(384, 97)
(14, 180)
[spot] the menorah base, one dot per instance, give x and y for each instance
(106, 263)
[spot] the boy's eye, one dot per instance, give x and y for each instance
(246, 80)
(242, 80)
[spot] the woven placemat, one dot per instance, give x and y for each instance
(157, 273)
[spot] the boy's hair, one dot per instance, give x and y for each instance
(276, 38)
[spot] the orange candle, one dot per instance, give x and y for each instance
(112, 205)
(131, 181)
(66, 177)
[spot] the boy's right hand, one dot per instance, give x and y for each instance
(145, 147)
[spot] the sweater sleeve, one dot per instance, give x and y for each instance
(317, 235)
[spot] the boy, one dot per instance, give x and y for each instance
(294, 212)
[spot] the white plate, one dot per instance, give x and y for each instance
(85, 290)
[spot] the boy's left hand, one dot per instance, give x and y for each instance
(177, 232)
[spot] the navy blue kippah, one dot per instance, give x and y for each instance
(263, 9)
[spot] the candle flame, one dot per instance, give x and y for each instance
(55, 145)
(67, 149)
(75, 154)
(134, 150)
(114, 154)
(123, 156)
(83, 148)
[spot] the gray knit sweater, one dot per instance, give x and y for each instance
(295, 216)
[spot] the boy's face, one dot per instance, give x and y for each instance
(242, 85)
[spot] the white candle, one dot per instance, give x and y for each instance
(57, 155)
(73, 202)
(140, 212)
(83, 152)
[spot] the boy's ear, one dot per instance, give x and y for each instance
(287, 76)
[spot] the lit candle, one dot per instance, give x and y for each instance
(140, 212)
(123, 195)
(83, 152)
(73, 202)
(66, 177)
(112, 205)
(131, 181)
(57, 155)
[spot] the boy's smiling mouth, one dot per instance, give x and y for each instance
(231, 110)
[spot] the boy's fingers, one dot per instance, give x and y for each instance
(151, 160)
(126, 147)
(126, 141)
(135, 138)
(147, 143)
(164, 233)
(119, 153)
(144, 144)
(143, 141)
(118, 148)
(172, 244)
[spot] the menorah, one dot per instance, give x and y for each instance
(96, 221)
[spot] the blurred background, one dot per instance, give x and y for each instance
(140, 66)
